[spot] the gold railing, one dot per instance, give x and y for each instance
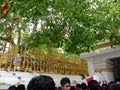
(6, 58)
(35, 60)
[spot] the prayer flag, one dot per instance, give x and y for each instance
(4, 8)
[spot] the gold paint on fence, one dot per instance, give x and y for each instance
(36, 60)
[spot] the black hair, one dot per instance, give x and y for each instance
(12, 87)
(64, 81)
(21, 87)
(105, 86)
(93, 85)
(83, 86)
(114, 86)
(42, 82)
(72, 88)
(78, 85)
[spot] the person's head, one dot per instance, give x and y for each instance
(42, 82)
(12, 88)
(104, 87)
(65, 83)
(83, 86)
(114, 86)
(110, 85)
(21, 87)
(94, 85)
(78, 86)
(73, 88)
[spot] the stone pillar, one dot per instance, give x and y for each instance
(90, 67)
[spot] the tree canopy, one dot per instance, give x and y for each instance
(76, 26)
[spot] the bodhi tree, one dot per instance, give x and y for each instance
(74, 25)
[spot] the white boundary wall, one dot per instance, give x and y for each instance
(12, 78)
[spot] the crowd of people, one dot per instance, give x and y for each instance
(45, 82)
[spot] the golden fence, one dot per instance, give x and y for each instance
(35, 60)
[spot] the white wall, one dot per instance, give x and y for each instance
(108, 76)
(11, 78)
(97, 60)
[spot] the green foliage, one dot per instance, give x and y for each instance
(74, 25)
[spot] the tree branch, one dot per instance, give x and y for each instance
(8, 39)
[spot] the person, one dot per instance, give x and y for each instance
(110, 85)
(114, 85)
(41, 82)
(65, 83)
(78, 86)
(73, 88)
(13, 87)
(17, 60)
(104, 87)
(21, 87)
(83, 86)
(94, 85)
